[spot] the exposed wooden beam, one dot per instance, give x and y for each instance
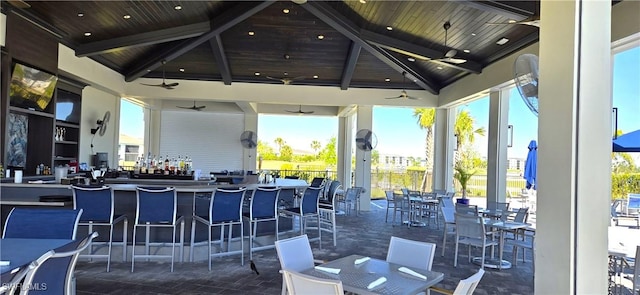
(221, 59)
(503, 8)
(418, 52)
(37, 21)
(350, 65)
(230, 18)
(332, 18)
(147, 38)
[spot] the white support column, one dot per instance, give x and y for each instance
(497, 146)
(444, 143)
(345, 141)
(363, 159)
(574, 154)
(249, 155)
(152, 119)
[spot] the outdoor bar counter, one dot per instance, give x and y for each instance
(28, 194)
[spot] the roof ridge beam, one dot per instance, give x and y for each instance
(418, 52)
(339, 23)
(142, 39)
(228, 19)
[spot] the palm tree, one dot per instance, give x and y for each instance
(426, 120)
(316, 146)
(280, 143)
(464, 129)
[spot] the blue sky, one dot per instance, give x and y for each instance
(398, 132)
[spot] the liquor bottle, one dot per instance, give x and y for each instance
(166, 163)
(181, 163)
(136, 167)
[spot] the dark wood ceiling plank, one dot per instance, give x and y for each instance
(417, 51)
(221, 59)
(513, 46)
(148, 38)
(228, 19)
(327, 14)
(350, 65)
(502, 8)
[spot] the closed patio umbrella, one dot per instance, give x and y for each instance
(530, 166)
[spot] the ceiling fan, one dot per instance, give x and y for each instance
(194, 107)
(449, 56)
(403, 93)
(286, 80)
(299, 111)
(530, 21)
(163, 84)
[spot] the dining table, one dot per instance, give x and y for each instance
(16, 253)
(358, 277)
(502, 227)
(622, 246)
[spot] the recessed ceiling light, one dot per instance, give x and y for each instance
(512, 21)
(286, 10)
(257, 73)
(251, 33)
(87, 34)
(177, 7)
(320, 37)
(502, 41)
(181, 70)
(473, 34)
(315, 76)
(466, 51)
(80, 14)
(363, 1)
(411, 59)
(439, 68)
(387, 80)
(126, 16)
(389, 28)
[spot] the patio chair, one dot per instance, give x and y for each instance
(411, 253)
(41, 223)
(157, 207)
(298, 283)
(56, 271)
(263, 208)
(97, 206)
(225, 209)
(352, 199)
(402, 205)
(522, 240)
(617, 216)
(467, 209)
(465, 287)
(295, 254)
(391, 204)
(470, 231)
(12, 286)
(448, 215)
(327, 210)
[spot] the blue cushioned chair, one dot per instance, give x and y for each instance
(54, 274)
(97, 206)
(225, 208)
(308, 209)
(263, 208)
(157, 207)
(40, 223)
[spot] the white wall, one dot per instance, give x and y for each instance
(3, 29)
(95, 103)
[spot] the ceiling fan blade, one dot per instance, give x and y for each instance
(274, 79)
(199, 108)
(307, 112)
(451, 53)
(156, 85)
(186, 108)
(395, 97)
(172, 84)
(454, 60)
(289, 111)
(414, 98)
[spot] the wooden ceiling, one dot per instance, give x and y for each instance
(210, 40)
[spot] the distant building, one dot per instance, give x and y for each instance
(394, 161)
(516, 164)
(129, 149)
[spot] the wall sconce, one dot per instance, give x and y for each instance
(455, 146)
(509, 135)
(615, 123)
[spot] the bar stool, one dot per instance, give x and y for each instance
(157, 207)
(225, 208)
(97, 206)
(263, 208)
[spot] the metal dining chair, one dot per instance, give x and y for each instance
(42, 223)
(308, 209)
(298, 283)
(263, 208)
(470, 231)
(327, 210)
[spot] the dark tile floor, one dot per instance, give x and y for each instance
(367, 234)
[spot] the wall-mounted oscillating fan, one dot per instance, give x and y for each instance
(102, 124)
(249, 139)
(525, 71)
(366, 140)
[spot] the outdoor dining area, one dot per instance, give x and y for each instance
(364, 253)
